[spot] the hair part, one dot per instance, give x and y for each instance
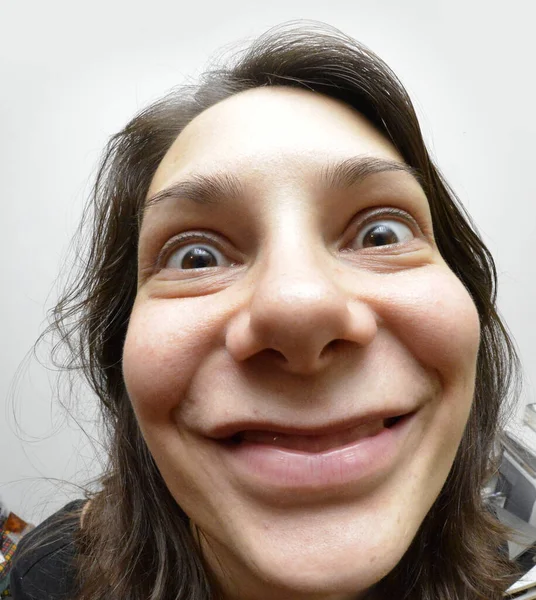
(137, 542)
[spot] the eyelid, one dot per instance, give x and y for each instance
(377, 214)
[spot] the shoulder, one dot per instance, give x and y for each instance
(44, 562)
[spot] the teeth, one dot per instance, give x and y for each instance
(314, 443)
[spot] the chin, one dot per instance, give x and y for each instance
(320, 567)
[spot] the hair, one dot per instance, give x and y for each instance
(136, 542)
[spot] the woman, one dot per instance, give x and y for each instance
(291, 327)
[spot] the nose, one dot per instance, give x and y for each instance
(300, 314)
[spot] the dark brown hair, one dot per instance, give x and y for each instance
(137, 543)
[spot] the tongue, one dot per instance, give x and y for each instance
(313, 443)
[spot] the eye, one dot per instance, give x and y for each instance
(384, 232)
(195, 256)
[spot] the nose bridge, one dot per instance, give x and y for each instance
(295, 274)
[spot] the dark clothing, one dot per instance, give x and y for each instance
(44, 562)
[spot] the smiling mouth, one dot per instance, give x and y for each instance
(312, 443)
(283, 462)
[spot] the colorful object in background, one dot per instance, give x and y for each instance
(12, 528)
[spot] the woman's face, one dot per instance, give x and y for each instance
(283, 319)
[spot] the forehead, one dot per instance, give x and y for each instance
(270, 131)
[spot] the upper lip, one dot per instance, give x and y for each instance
(230, 429)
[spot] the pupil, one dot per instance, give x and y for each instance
(380, 235)
(198, 258)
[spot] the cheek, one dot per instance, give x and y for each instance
(437, 321)
(162, 350)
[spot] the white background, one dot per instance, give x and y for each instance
(73, 73)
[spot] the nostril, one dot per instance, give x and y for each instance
(328, 348)
(337, 345)
(275, 354)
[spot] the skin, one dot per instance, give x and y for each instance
(298, 323)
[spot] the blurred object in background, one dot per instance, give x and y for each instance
(12, 528)
(529, 416)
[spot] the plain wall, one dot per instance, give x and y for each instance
(72, 74)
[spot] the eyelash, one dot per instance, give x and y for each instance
(182, 240)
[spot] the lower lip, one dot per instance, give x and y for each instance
(287, 470)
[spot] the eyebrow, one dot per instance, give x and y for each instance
(214, 188)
